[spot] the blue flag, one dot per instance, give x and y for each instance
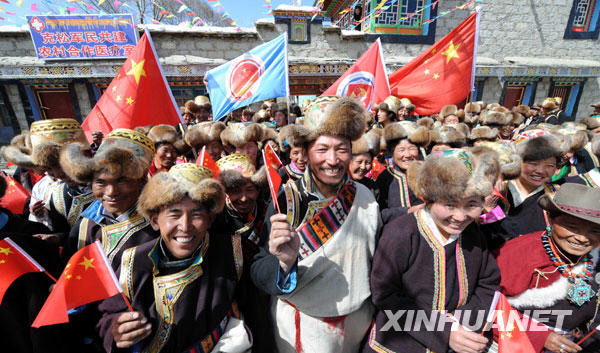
(261, 73)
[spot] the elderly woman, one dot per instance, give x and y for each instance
(436, 259)
(403, 140)
(553, 269)
(183, 284)
(364, 150)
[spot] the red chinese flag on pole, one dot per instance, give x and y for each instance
(139, 95)
(511, 335)
(15, 197)
(14, 262)
(366, 80)
(272, 176)
(205, 160)
(87, 278)
(443, 74)
(272, 157)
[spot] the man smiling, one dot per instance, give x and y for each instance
(320, 246)
(117, 174)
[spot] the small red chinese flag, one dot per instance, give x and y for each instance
(14, 262)
(272, 157)
(511, 339)
(205, 160)
(87, 278)
(139, 95)
(376, 169)
(442, 74)
(15, 197)
(273, 177)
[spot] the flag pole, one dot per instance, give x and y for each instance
(127, 302)
(587, 336)
(475, 49)
(273, 192)
(49, 275)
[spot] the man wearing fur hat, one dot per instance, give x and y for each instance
(406, 110)
(386, 111)
(206, 134)
(117, 174)
(204, 108)
(183, 284)
(320, 245)
(551, 112)
(293, 140)
(245, 138)
(168, 145)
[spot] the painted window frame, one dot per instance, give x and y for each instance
(591, 28)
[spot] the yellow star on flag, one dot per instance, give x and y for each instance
(12, 183)
(436, 76)
(509, 334)
(2, 261)
(5, 251)
(114, 88)
(137, 70)
(78, 277)
(87, 263)
(451, 52)
(69, 276)
(427, 72)
(130, 101)
(118, 98)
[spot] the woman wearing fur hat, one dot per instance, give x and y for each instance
(168, 145)
(293, 140)
(403, 140)
(183, 284)
(206, 135)
(386, 113)
(364, 150)
(542, 155)
(436, 259)
(481, 134)
(553, 270)
(406, 110)
(117, 174)
(447, 137)
(319, 274)
(449, 115)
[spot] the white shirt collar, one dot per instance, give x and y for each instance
(517, 196)
(595, 175)
(435, 230)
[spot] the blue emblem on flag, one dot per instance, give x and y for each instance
(261, 73)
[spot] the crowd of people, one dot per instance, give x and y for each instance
(379, 212)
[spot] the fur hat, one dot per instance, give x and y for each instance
(182, 180)
(510, 161)
(595, 145)
(391, 104)
(535, 145)
(473, 108)
(344, 117)
(574, 140)
(237, 169)
(396, 132)
(204, 133)
(407, 103)
(238, 134)
(450, 109)
(523, 110)
(426, 122)
(517, 118)
(293, 135)
(483, 133)
(592, 122)
(261, 116)
(40, 147)
(191, 108)
(552, 103)
(123, 152)
(453, 175)
(367, 143)
(166, 134)
(492, 117)
(448, 135)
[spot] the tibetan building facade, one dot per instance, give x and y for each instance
(528, 50)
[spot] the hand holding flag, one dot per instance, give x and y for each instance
(512, 337)
(88, 277)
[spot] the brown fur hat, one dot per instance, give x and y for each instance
(76, 161)
(473, 108)
(523, 110)
(492, 117)
(367, 143)
(204, 133)
(293, 135)
(592, 122)
(143, 129)
(46, 154)
(448, 135)
(517, 118)
(483, 133)
(541, 147)
(426, 122)
(191, 107)
(450, 109)
(261, 116)
(19, 151)
(453, 175)
(238, 134)
(595, 145)
(166, 134)
(345, 118)
(573, 140)
(396, 132)
(233, 179)
(183, 180)
(510, 161)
